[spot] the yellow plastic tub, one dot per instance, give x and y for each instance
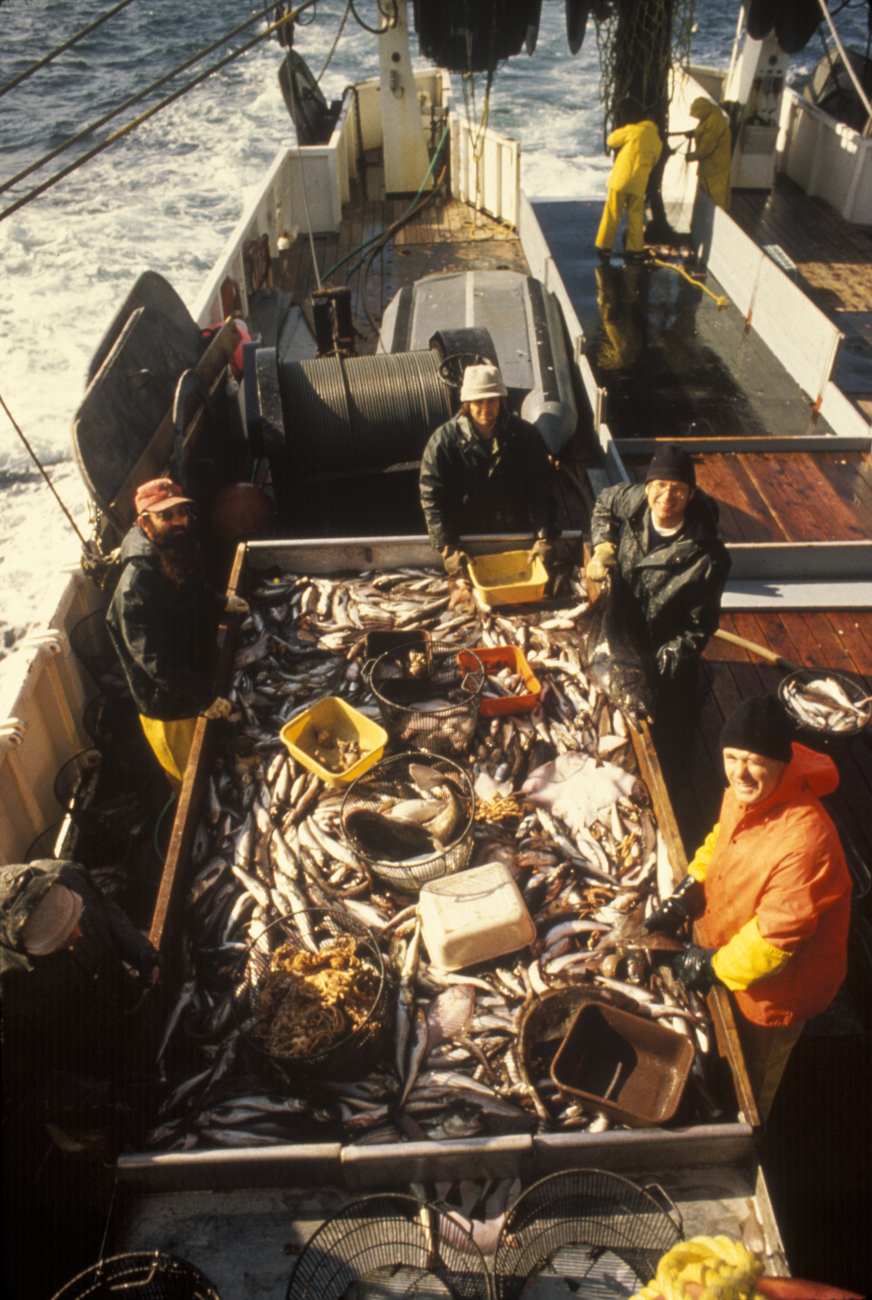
(344, 723)
(508, 579)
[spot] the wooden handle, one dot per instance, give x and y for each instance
(786, 665)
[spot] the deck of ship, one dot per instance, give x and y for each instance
(676, 366)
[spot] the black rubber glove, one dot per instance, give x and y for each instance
(693, 968)
(675, 910)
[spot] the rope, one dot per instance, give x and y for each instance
(129, 102)
(39, 466)
(156, 108)
(59, 49)
(721, 302)
(724, 1268)
(326, 64)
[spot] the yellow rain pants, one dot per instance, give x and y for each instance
(171, 742)
(639, 146)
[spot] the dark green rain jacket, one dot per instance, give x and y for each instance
(469, 488)
(677, 581)
(164, 634)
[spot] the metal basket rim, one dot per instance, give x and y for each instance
(140, 1260)
(413, 756)
(397, 1198)
(474, 698)
(312, 1061)
(810, 675)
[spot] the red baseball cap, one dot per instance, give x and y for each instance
(158, 494)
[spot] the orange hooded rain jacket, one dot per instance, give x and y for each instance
(780, 863)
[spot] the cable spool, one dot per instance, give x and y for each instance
(355, 413)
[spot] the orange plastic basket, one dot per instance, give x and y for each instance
(507, 656)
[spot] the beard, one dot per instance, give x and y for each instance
(179, 557)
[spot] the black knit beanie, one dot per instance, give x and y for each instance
(761, 726)
(671, 462)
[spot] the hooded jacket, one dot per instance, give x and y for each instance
(640, 146)
(470, 486)
(677, 581)
(164, 634)
(779, 864)
(712, 146)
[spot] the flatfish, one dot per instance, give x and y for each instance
(617, 654)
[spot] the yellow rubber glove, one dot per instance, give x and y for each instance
(604, 558)
(703, 855)
(747, 958)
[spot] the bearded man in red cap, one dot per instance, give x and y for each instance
(163, 621)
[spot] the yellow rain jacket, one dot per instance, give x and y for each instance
(640, 147)
(711, 139)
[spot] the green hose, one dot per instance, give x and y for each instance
(367, 242)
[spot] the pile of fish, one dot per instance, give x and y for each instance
(823, 704)
(556, 800)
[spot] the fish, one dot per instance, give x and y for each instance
(385, 838)
(617, 650)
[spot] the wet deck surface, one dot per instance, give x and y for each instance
(833, 259)
(674, 363)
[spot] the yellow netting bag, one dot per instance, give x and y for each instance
(724, 1268)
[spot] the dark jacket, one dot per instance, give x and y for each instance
(467, 487)
(67, 1011)
(678, 581)
(164, 634)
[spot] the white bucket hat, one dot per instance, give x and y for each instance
(480, 382)
(52, 921)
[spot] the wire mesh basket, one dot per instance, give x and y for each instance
(429, 697)
(390, 1246)
(394, 779)
(103, 817)
(92, 646)
(315, 1020)
(600, 1233)
(51, 842)
(848, 721)
(143, 1275)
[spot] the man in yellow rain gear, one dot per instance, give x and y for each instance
(711, 149)
(639, 146)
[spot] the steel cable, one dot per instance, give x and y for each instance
(150, 112)
(130, 101)
(61, 49)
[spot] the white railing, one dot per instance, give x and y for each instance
(306, 186)
(41, 714)
(485, 169)
(826, 157)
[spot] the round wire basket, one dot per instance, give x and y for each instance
(92, 646)
(849, 724)
(106, 821)
(143, 1275)
(429, 698)
(320, 1046)
(390, 780)
(389, 1245)
(599, 1232)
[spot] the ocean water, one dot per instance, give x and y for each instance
(168, 195)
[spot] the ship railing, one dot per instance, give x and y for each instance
(41, 706)
(825, 157)
(306, 186)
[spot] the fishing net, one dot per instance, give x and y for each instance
(639, 41)
(311, 995)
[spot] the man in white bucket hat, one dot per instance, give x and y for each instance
(485, 471)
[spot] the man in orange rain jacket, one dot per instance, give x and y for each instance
(776, 889)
